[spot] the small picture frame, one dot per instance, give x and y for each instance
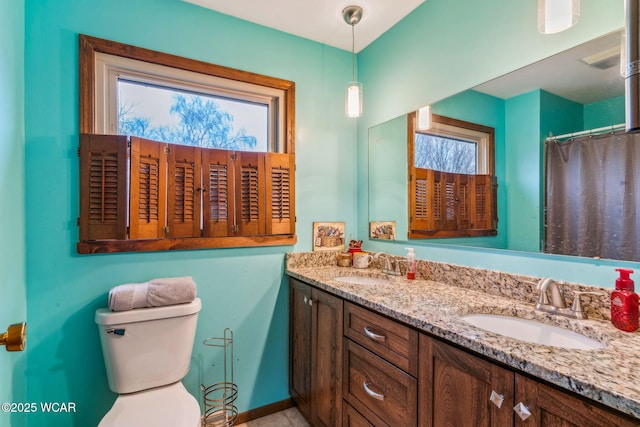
(385, 230)
(328, 236)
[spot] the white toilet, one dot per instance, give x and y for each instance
(147, 353)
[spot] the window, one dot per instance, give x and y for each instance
(452, 187)
(180, 154)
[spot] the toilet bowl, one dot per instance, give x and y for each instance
(164, 406)
(147, 352)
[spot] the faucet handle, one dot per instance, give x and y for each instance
(576, 306)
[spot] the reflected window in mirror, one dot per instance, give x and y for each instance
(452, 186)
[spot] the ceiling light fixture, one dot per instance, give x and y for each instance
(353, 101)
(424, 118)
(557, 15)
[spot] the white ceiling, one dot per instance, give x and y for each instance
(318, 20)
(566, 75)
(321, 20)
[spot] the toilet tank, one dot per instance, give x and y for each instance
(147, 347)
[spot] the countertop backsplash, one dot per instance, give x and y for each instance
(514, 286)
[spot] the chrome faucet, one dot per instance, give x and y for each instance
(390, 266)
(557, 294)
(558, 305)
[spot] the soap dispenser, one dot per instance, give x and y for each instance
(411, 264)
(624, 303)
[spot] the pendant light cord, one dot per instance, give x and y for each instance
(353, 53)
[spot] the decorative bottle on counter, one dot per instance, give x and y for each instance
(624, 303)
(411, 264)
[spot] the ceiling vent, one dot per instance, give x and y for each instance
(605, 59)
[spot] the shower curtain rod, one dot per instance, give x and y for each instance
(604, 129)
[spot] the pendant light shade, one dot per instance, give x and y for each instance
(424, 118)
(353, 100)
(557, 15)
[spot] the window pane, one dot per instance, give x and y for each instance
(445, 154)
(188, 118)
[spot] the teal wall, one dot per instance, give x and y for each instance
(240, 288)
(559, 116)
(12, 229)
(444, 48)
(388, 184)
(605, 113)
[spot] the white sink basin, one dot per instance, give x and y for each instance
(532, 331)
(361, 280)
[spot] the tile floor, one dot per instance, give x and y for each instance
(287, 418)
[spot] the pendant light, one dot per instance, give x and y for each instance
(424, 118)
(353, 101)
(557, 15)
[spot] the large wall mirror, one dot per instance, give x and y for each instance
(577, 90)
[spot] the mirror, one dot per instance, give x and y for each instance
(577, 90)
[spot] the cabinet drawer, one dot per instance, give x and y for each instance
(373, 384)
(353, 418)
(387, 338)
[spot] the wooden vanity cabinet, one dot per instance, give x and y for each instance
(353, 367)
(456, 390)
(353, 418)
(552, 407)
(456, 386)
(315, 351)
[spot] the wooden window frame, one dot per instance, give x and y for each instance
(473, 212)
(88, 244)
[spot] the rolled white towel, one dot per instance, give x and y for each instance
(154, 293)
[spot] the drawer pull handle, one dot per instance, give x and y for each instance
(373, 335)
(496, 398)
(371, 392)
(522, 411)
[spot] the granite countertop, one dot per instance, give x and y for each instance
(609, 376)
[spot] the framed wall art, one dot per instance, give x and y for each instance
(328, 236)
(382, 230)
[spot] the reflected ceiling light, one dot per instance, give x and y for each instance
(424, 118)
(557, 15)
(353, 101)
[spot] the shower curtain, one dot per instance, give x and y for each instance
(591, 198)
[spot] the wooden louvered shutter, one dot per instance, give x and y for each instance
(103, 187)
(183, 195)
(464, 184)
(280, 193)
(249, 199)
(148, 189)
(218, 189)
(450, 201)
(436, 198)
(452, 205)
(421, 200)
(484, 203)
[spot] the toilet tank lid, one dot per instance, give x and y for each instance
(105, 316)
